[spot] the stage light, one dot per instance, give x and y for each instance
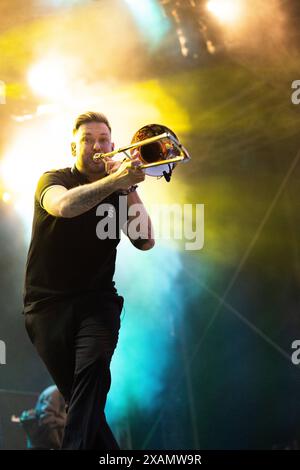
(227, 11)
(47, 78)
(6, 197)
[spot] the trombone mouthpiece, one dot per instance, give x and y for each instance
(98, 156)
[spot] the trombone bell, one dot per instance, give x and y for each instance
(161, 155)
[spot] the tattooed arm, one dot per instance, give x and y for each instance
(61, 202)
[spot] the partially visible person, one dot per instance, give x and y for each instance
(44, 424)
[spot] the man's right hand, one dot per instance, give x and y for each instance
(129, 174)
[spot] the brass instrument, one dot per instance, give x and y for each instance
(158, 149)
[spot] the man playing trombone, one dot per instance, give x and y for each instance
(72, 308)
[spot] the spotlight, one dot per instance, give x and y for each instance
(47, 78)
(6, 197)
(227, 11)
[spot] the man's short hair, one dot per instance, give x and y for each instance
(90, 116)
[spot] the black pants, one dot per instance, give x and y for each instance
(76, 340)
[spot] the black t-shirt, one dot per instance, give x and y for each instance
(66, 258)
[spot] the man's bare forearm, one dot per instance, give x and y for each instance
(78, 200)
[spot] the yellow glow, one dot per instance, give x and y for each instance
(227, 11)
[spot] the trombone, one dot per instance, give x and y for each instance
(159, 150)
